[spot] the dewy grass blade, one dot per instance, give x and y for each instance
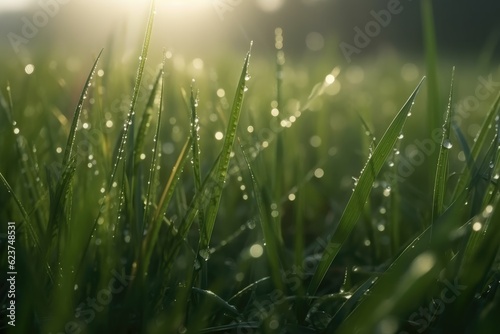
(223, 164)
(442, 166)
(193, 104)
(31, 231)
(154, 228)
(478, 146)
(131, 114)
(412, 273)
(154, 160)
(146, 119)
(72, 134)
(130, 117)
(361, 191)
(270, 237)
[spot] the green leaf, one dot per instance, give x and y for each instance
(72, 134)
(442, 166)
(273, 244)
(361, 191)
(225, 156)
(478, 146)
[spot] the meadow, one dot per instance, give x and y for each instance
(255, 193)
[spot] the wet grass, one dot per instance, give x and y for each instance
(228, 205)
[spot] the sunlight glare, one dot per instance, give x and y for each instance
(13, 5)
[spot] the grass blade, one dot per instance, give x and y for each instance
(131, 114)
(478, 146)
(146, 119)
(442, 166)
(413, 272)
(270, 237)
(72, 134)
(154, 228)
(152, 170)
(361, 191)
(223, 164)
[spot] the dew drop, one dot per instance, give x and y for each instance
(447, 144)
(355, 181)
(205, 254)
(251, 224)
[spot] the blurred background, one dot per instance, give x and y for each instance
(211, 27)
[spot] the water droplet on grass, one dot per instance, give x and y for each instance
(251, 224)
(355, 181)
(205, 254)
(447, 144)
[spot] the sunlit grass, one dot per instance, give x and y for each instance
(267, 196)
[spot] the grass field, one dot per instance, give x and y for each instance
(271, 195)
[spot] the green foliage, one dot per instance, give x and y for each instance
(118, 232)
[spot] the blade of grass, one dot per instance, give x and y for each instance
(130, 118)
(146, 119)
(138, 81)
(442, 166)
(478, 146)
(31, 232)
(193, 102)
(361, 191)
(154, 161)
(221, 174)
(413, 272)
(154, 228)
(270, 237)
(76, 118)
(136, 190)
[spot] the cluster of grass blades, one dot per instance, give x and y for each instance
(132, 246)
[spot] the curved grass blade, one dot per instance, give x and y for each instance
(361, 191)
(223, 164)
(349, 305)
(146, 119)
(442, 166)
(478, 146)
(76, 118)
(137, 86)
(272, 242)
(136, 209)
(154, 228)
(413, 273)
(216, 300)
(130, 117)
(24, 213)
(152, 170)
(193, 104)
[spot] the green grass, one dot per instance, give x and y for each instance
(131, 217)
